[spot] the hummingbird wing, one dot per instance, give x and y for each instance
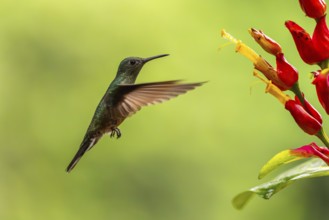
(130, 98)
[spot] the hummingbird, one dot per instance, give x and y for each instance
(123, 98)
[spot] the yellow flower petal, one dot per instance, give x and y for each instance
(273, 89)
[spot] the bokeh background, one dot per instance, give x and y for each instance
(182, 160)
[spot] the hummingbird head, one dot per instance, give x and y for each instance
(130, 67)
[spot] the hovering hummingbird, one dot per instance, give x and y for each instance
(124, 98)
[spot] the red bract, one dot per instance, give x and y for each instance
(305, 120)
(305, 45)
(310, 109)
(320, 38)
(286, 72)
(313, 8)
(321, 83)
(312, 150)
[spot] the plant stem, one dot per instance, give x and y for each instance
(324, 64)
(295, 89)
(323, 137)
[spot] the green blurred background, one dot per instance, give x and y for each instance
(182, 160)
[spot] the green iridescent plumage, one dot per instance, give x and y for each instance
(124, 98)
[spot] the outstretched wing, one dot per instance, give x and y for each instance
(130, 98)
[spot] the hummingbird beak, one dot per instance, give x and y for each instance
(145, 60)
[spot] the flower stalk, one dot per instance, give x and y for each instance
(323, 137)
(285, 77)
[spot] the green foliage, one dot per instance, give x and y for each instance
(310, 169)
(283, 157)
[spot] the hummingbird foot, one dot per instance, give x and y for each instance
(115, 131)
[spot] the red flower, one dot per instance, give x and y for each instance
(312, 150)
(286, 72)
(307, 118)
(310, 109)
(320, 38)
(311, 50)
(313, 8)
(321, 83)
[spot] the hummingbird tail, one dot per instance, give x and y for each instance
(87, 143)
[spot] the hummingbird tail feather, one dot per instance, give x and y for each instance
(86, 145)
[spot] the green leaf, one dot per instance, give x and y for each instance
(281, 158)
(310, 169)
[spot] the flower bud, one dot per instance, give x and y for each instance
(321, 82)
(304, 119)
(310, 109)
(268, 44)
(313, 8)
(286, 72)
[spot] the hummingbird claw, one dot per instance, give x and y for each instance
(115, 131)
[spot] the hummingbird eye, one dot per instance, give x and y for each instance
(132, 62)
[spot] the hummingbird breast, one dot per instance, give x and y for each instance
(111, 125)
(105, 120)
